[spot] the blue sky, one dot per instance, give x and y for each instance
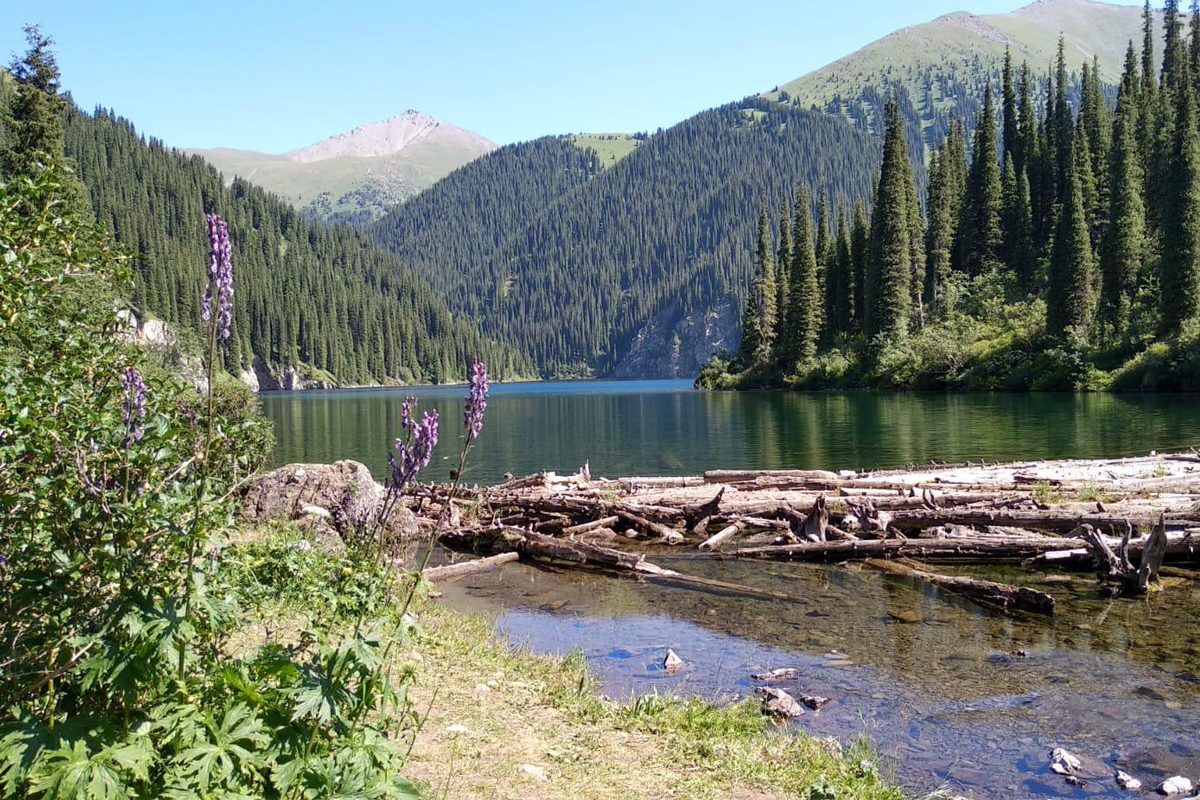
(272, 76)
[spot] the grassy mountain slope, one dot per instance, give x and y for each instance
(356, 176)
(669, 226)
(941, 67)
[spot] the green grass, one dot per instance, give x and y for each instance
(610, 147)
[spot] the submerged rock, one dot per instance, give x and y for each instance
(1064, 762)
(781, 674)
(1127, 781)
(779, 703)
(1175, 786)
(672, 663)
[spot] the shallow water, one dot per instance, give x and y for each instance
(932, 679)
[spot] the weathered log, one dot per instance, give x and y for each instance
(666, 534)
(714, 541)
(751, 475)
(816, 521)
(452, 572)
(603, 522)
(536, 546)
(696, 518)
(991, 548)
(986, 592)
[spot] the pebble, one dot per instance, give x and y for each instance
(1064, 762)
(1127, 781)
(456, 729)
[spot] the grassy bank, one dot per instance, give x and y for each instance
(504, 723)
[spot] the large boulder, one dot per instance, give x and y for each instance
(343, 495)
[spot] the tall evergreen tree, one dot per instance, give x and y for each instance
(1174, 51)
(982, 235)
(1123, 252)
(1027, 127)
(803, 325)
(1069, 302)
(1062, 124)
(765, 289)
(916, 246)
(860, 248)
(1096, 123)
(939, 235)
(1022, 254)
(825, 256)
(783, 268)
(1008, 108)
(842, 319)
(1181, 222)
(34, 119)
(889, 277)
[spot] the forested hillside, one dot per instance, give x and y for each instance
(568, 262)
(322, 300)
(1063, 254)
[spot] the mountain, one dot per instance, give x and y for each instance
(939, 68)
(635, 268)
(355, 176)
(314, 304)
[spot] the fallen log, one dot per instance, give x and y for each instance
(696, 518)
(714, 541)
(603, 522)
(992, 548)
(665, 533)
(986, 592)
(536, 546)
(452, 572)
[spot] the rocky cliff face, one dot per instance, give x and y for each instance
(676, 345)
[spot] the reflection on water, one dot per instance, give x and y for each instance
(665, 428)
(940, 684)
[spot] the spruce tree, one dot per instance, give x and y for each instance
(802, 330)
(1123, 254)
(982, 234)
(916, 245)
(1181, 221)
(1096, 123)
(1022, 258)
(842, 320)
(1027, 131)
(1069, 301)
(1062, 124)
(939, 235)
(34, 119)
(765, 289)
(889, 275)
(825, 256)
(783, 268)
(860, 247)
(1008, 107)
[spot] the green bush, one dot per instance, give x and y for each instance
(118, 602)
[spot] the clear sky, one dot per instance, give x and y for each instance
(274, 75)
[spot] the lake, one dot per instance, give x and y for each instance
(666, 428)
(954, 696)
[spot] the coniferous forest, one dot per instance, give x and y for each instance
(1059, 248)
(567, 261)
(323, 301)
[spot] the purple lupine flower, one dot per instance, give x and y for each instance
(220, 276)
(416, 448)
(477, 400)
(135, 404)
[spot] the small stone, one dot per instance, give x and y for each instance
(814, 702)
(779, 702)
(1177, 785)
(1064, 762)
(456, 729)
(906, 617)
(535, 772)
(1127, 781)
(672, 663)
(482, 688)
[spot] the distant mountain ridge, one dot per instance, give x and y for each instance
(356, 176)
(939, 68)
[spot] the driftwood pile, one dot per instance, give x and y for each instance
(1125, 517)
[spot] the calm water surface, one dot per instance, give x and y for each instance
(666, 428)
(934, 680)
